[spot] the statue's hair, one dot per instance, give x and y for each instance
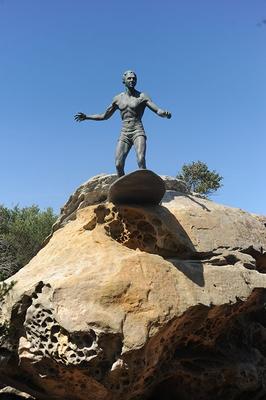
(126, 73)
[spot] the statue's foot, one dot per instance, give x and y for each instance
(120, 173)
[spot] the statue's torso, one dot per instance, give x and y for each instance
(131, 107)
(131, 110)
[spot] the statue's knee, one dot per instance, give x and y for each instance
(119, 164)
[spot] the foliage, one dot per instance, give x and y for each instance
(4, 332)
(199, 178)
(5, 288)
(5, 328)
(3, 276)
(24, 229)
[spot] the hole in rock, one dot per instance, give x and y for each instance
(55, 329)
(260, 258)
(115, 229)
(91, 353)
(90, 225)
(261, 263)
(132, 217)
(145, 227)
(149, 240)
(101, 212)
(231, 259)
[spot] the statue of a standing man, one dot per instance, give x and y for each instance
(131, 104)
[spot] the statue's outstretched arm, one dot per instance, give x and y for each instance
(153, 107)
(97, 117)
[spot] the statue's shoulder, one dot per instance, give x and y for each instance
(145, 96)
(118, 97)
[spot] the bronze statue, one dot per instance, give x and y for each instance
(131, 104)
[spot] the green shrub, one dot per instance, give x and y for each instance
(199, 178)
(24, 230)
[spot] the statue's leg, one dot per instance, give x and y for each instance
(140, 147)
(122, 150)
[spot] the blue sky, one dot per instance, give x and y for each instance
(205, 61)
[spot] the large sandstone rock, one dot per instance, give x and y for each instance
(163, 302)
(213, 227)
(95, 191)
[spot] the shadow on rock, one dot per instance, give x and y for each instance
(171, 194)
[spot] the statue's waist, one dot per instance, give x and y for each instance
(130, 125)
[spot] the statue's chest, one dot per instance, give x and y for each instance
(132, 103)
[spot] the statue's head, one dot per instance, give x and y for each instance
(129, 79)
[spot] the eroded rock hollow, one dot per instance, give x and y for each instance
(130, 302)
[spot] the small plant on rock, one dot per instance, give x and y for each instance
(199, 178)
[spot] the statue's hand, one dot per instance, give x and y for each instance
(164, 113)
(80, 117)
(167, 114)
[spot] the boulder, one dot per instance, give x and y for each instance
(95, 191)
(133, 302)
(214, 227)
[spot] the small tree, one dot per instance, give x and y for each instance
(24, 230)
(199, 178)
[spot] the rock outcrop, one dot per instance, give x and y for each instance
(95, 191)
(131, 302)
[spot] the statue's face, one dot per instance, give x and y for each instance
(130, 80)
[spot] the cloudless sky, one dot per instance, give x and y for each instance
(205, 61)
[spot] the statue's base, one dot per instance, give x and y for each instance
(139, 187)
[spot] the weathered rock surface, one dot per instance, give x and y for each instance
(95, 191)
(132, 302)
(217, 229)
